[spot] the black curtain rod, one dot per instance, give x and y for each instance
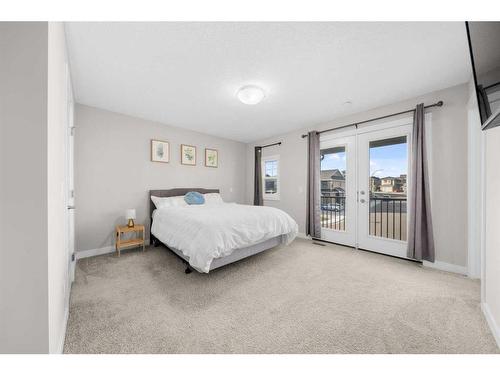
(272, 144)
(438, 104)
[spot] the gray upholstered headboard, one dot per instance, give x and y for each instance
(172, 193)
(175, 193)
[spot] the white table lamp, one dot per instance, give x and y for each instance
(130, 216)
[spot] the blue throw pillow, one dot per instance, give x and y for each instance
(194, 198)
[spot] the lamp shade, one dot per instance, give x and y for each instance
(130, 213)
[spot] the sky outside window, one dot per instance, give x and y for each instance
(271, 168)
(389, 160)
(335, 160)
(385, 161)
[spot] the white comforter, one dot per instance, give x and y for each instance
(206, 232)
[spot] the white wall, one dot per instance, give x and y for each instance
(448, 165)
(57, 122)
(113, 170)
(475, 173)
(491, 276)
(33, 264)
(23, 188)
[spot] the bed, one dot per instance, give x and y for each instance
(212, 235)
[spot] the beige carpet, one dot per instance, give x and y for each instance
(298, 299)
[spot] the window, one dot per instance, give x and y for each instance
(270, 177)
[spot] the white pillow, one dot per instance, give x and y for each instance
(213, 198)
(165, 202)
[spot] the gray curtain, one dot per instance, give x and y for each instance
(257, 189)
(420, 235)
(313, 219)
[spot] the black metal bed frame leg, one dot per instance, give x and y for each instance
(156, 242)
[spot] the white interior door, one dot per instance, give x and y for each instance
(338, 188)
(70, 185)
(383, 165)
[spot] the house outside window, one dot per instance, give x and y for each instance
(271, 177)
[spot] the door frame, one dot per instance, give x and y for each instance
(366, 241)
(374, 127)
(69, 183)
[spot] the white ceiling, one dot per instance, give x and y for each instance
(187, 74)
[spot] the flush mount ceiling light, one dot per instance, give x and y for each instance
(250, 94)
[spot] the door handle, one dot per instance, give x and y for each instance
(71, 207)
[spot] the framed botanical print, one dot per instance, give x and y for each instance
(188, 155)
(211, 158)
(160, 151)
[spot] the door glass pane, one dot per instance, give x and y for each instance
(388, 187)
(333, 185)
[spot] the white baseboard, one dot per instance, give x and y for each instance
(495, 329)
(448, 267)
(303, 236)
(100, 251)
(442, 266)
(94, 252)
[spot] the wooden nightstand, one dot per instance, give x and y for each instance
(120, 244)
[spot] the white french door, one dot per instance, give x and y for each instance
(364, 187)
(338, 188)
(383, 164)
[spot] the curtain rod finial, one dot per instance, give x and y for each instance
(440, 103)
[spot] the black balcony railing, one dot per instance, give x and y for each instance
(333, 212)
(387, 216)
